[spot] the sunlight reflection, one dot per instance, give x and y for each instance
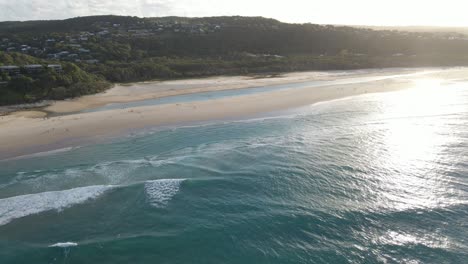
(401, 238)
(413, 144)
(410, 138)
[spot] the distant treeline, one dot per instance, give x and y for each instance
(243, 45)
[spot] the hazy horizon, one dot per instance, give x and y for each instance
(357, 13)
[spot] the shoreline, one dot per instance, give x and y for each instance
(157, 89)
(27, 133)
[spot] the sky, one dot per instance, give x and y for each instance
(346, 12)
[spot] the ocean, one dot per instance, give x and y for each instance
(377, 178)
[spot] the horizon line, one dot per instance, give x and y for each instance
(299, 23)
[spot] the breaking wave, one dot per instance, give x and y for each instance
(160, 192)
(64, 244)
(24, 205)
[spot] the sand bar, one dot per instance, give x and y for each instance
(123, 93)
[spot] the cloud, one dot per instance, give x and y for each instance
(398, 12)
(58, 9)
(150, 8)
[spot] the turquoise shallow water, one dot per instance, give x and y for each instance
(370, 179)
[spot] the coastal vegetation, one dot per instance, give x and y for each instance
(45, 83)
(94, 51)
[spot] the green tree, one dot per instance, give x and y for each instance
(21, 84)
(5, 77)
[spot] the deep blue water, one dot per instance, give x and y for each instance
(377, 178)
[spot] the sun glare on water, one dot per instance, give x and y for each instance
(417, 134)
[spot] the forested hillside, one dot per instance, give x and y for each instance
(123, 49)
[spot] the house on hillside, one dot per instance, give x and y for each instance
(33, 68)
(10, 70)
(93, 61)
(53, 56)
(103, 33)
(72, 56)
(55, 67)
(63, 53)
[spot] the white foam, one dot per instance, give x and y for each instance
(20, 206)
(64, 244)
(44, 153)
(121, 172)
(116, 172)
(160, 192)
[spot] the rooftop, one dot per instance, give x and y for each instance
(33, 66)
(9, 67)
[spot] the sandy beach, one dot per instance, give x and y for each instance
(28, 132)
(122, 93)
